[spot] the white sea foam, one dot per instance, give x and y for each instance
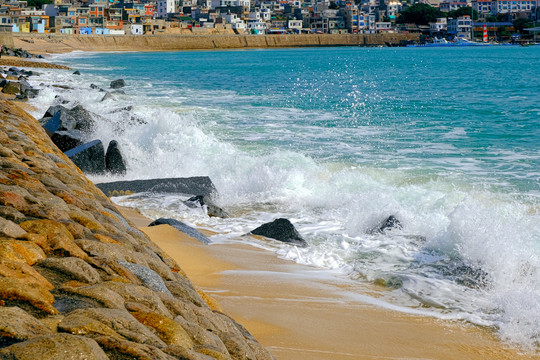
(466, 250)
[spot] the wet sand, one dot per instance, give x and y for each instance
(300, 312)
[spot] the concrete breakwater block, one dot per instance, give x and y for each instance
(198, 185)
(89, 157)
(69, 139)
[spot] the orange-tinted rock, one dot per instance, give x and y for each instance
(142, 295)
(97, 292)
(17, 325)
(22, 251)
(10, 229)
(22, 271)
(123, 323)
(12, 214)
(77, 230)
(78, 324)
(202, 337)
(59, 239)
(84, 218)
(55, 347)
(38, 296)
(124, 349)
(106, 239)
(12, 199)
(181, 353)
(168, 330)
(73, 267)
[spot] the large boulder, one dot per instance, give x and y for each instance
(17, 325)
(27, 90)
(85, 121)
(59, 118)
(55, 347)
(11, 88)
(205, 200)
(186, 229)
(117, 84)
(282, 230)
(114, 161)
(89, 157)
(388, 224)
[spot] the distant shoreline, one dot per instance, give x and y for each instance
(62, 43)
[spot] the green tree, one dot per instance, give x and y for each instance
(520, 24)
(38, 3)
(466, 10)
(419, 14)
(502, 31)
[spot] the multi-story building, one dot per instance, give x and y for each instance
(366, 23)
(350, 14)
(460, 27)
(513, 6)
(482, 6)
(295, 25)
(165, 7)
(438, 27)
(447, 6)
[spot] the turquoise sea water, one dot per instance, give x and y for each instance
(338, 139)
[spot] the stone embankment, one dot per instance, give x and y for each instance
(43, 43)
(79, 281)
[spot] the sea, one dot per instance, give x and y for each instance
(446, 140)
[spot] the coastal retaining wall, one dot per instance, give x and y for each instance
(214, 41)
(6, 39)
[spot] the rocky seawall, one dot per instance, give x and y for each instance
(42, 43)
(79, 281)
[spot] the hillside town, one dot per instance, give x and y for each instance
(139, 17)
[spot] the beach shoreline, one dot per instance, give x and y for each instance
(296, 311)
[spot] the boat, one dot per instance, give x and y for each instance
(445, 43)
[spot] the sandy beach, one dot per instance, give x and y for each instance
(297, 312)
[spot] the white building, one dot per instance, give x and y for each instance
(383, 26)
(257, 27)
(236, 23)
(482, 6)
(225, 3)
(366, 22)
(295, 25)
(512, 6)
(393, 8)
(136, 29)
(460, 27)
(439, 26)
(165, 7)
(447, 6)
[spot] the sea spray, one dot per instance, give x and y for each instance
(338, 158)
